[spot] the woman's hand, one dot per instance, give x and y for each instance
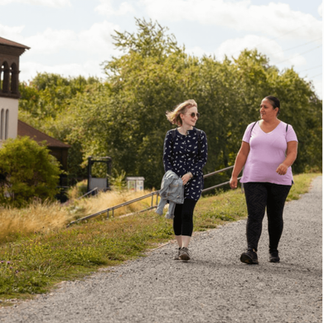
(186, 178)
(282, 169)
(233, 182)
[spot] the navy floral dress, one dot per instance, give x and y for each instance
(186, 153)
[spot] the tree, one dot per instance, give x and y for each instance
(27, 171)
(124, 117)
(145, 82)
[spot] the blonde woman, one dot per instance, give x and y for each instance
(185, 153)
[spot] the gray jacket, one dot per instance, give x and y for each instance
(172, 190)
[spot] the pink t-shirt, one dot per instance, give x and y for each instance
(267, 152)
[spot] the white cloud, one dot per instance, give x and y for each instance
(320, 9)
(48, 3)
(51, 41)
(196, 51)
(11, 33)
(268, 47)
(318, 85)
(96, 40)
(233, 47)
(275, 19)
(106, 8)
(89, 68)
(47, 49)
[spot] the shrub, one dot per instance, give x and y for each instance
(28, 172)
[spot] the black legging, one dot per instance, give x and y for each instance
(183, 218)
(258, 197)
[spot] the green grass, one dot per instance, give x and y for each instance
(35, 264)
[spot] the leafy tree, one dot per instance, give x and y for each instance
(303, 110)
(150, 41)
(27, 171)
(51, 104)
(124, 117)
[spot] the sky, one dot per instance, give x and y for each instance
(73, 37)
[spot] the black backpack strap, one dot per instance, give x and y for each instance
(252, 128)
(287, 127)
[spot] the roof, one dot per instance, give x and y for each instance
(26, 130)
(4, 41)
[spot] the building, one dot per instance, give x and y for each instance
(9, 87)
(10, 126)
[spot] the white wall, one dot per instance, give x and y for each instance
(8, 107)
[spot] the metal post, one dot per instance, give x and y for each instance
(157, 198)
(89, 173)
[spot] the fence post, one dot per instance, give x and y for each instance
(157, 198)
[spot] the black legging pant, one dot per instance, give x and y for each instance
(258, 197)
(183, 218)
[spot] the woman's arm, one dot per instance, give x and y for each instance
(239, 163)
(290, 157)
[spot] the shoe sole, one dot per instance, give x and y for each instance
(247, 260)
(274, 260)
(184, 257)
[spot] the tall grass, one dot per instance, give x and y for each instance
(105, 200)
(38, 250)
(46, 217)
(36, 218)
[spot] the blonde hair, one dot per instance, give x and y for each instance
(174, 116)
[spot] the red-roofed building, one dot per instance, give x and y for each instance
(10, 126)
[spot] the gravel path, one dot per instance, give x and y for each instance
(213, 287)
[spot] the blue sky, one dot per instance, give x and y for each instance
(73, 37)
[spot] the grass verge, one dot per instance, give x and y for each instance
(34, 264)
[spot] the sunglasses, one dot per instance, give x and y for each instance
(192, 115)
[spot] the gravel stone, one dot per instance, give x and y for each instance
(214, 286)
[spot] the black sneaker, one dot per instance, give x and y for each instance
(274, 256)
(249, 257)
(184, 253)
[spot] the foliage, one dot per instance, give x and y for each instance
(117, 181)
(59, 107)
(28, 172)
(124, 117)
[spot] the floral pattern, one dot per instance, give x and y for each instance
(186, 153)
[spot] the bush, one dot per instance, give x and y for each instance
(28, 172)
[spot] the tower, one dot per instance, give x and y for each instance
(9, 87)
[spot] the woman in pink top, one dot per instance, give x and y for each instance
(268, 150)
